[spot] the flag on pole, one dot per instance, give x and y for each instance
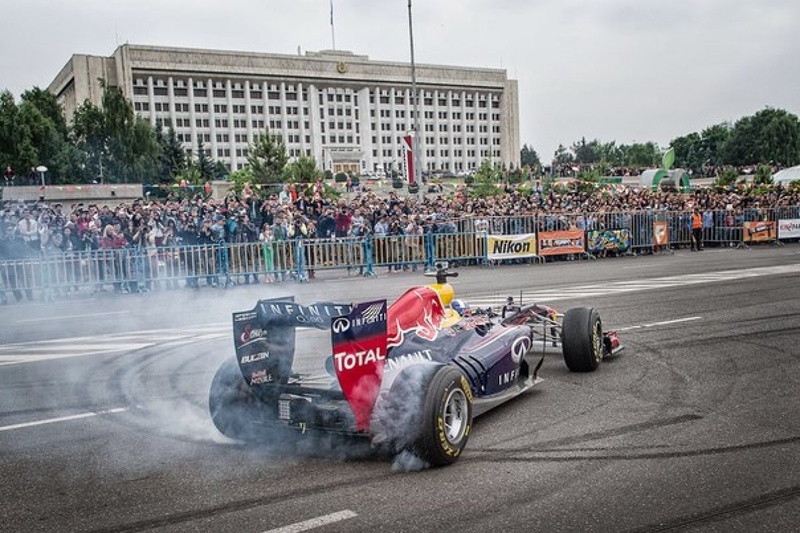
(408, 140)
(331, 12)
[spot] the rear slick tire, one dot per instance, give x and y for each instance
(429, 413)
(447, 418)
(235, 410)
(582, 339)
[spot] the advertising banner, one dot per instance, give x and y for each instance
(561, 242)
(789, 228)
(511, 246)
(759, 231)
(660, 233)
(611, 240)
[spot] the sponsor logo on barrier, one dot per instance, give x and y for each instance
(511, 246)
(789, 229)
(610, 240)
(508, 247)
(252, 358)
(759, 231)
(561, 242)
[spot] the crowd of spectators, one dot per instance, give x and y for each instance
(40, 229)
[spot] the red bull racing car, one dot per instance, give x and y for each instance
(409, 376)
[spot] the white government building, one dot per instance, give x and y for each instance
(348, 112)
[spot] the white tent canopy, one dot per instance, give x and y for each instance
(787, 175)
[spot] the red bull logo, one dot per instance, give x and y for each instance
(420, 311)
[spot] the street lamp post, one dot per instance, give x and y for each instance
(41, 169)
(416, 137)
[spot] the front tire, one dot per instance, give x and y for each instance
(582, 339)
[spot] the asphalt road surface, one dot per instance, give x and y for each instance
(696, 426)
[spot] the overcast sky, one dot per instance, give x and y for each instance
(624, 70)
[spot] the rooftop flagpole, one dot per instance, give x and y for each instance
(333, 34)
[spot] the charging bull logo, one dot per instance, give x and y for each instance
(419, 311)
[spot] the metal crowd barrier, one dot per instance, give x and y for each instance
(143, 269)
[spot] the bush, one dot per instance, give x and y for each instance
(727, 178)
(340, 177)
(763, 175)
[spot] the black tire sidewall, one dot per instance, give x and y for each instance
(581, 339)
(433, 445)
(235, 410)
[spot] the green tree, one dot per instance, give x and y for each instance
(120, 147)
(267, 158)
(528, 157)
(586, 153)
(688, 151)
(562, 156)
(611, 154)
(303, 170)
(643, 155)
(769, 136)
(727, 178)
(173, 156)
(46, 103)
(32, 134)
(220, 170)
(763, 175)
(487, 180)
(204, 165)
(587, 179)
(713, 142)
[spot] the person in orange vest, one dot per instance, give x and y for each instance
(697, 230)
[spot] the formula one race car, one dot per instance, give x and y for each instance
(409, 376)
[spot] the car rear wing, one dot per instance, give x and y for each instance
(264, 337)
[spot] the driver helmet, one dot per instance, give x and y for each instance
(459, 306)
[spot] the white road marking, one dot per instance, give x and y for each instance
(634, 285)
(30, 352)
(67, 317)
(662, 323)
(63, 419)
(314, 523)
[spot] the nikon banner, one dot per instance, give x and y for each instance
(511, 246)
(561, 242)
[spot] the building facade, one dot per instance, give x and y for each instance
(348, 112)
